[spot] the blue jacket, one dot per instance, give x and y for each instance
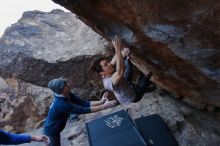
(10, 138)
(60, 110)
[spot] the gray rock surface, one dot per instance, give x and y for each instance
(42, 46)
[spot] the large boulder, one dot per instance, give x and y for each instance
(177, 40)
(42, 46)
(39, 47)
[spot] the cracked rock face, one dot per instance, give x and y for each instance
(177, 40)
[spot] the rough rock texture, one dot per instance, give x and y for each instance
(177, 40)
(22, 105)
(39, 47)
(42, 46)
(189, 126)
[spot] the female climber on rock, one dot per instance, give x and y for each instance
(118, 79)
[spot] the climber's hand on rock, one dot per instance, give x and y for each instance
(126, 52)
(117, 43)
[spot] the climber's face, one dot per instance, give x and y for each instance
(107, 68)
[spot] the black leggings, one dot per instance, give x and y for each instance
(141, 87)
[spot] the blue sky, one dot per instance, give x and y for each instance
(12, 10)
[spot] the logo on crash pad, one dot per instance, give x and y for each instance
(113, 121)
